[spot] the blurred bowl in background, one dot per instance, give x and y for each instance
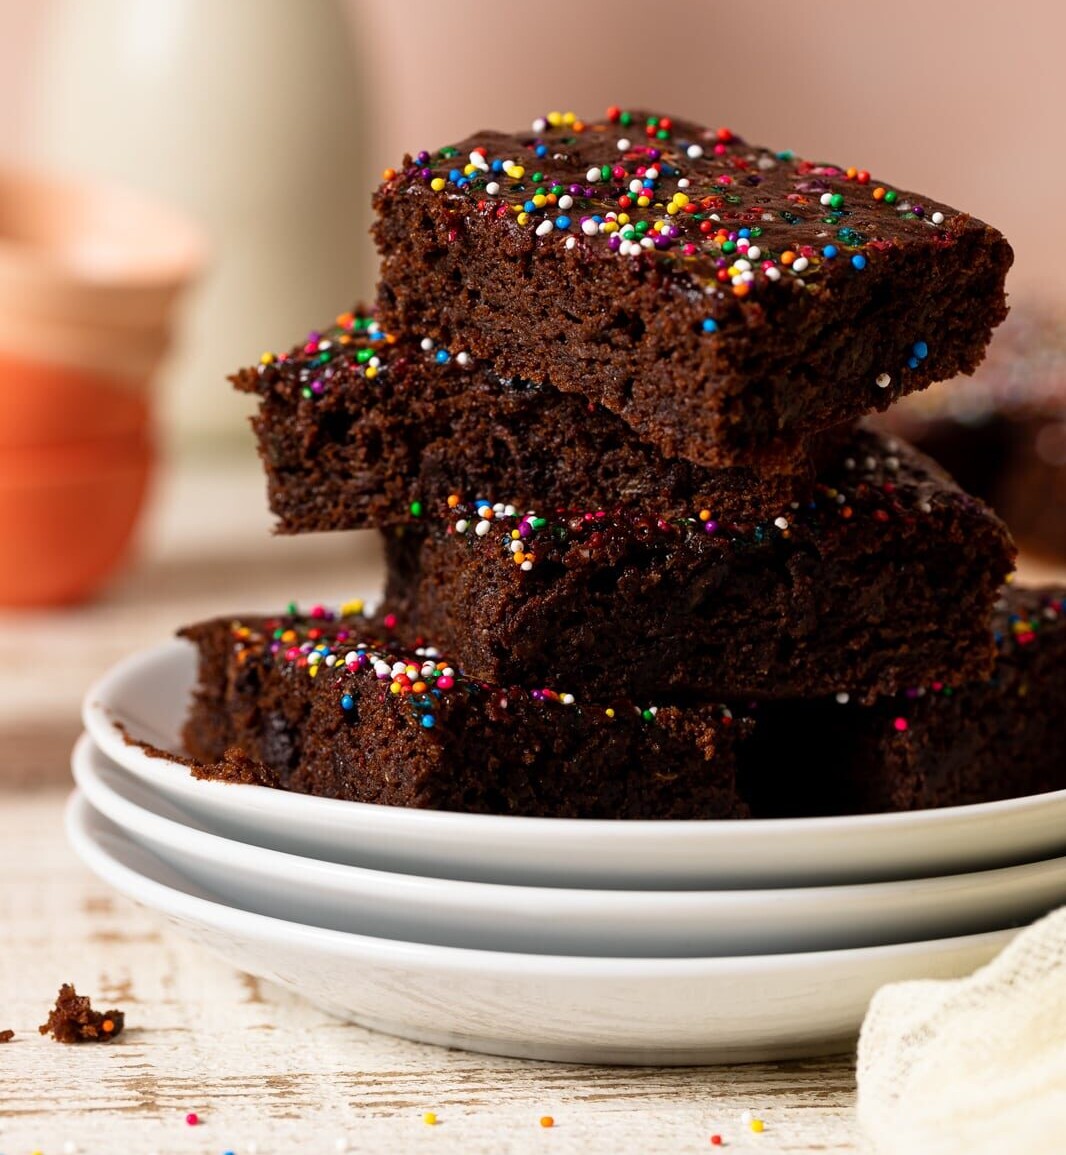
(50, 404)
(102, 254)
(67, 514)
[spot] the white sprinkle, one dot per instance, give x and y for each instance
(331, 660)
(892, 464)
(624, 144)
(684, 182)
(754, 252)
(870, 463)
(540, 124)
(544, 228)
(462, 525)
(765, 162)
(593, 175)
(571, 242)
(508, 510)
(636, 186)
(375, 361)
(843, 697)
(925, 507)
(937, 218)
(381, 668)
(800, 264)
(849, 462)
(589, 227)
(773, 273)
(478, 161)
(652, 173)
(427, 345)
(492, 188)
(825, 198)
(647, 243)
(516, 546)
(566, 201)
(694, 151)
(526, 565)
(742, 265)
(482, 527)
(351, 658)
(464, 358)
(566, 699)
(882, 380)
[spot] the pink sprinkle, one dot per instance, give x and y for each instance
(900, 724)
(390, 621)
(192, 1118)
(445, 683)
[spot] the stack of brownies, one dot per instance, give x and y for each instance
(642, 562)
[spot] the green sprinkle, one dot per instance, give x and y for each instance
(891, 198)
(416, 509)
(836, 201)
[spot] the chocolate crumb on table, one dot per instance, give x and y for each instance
(6, 1036)
(722, 298)
(72, 1020)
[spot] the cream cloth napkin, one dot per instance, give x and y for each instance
(971, 1066)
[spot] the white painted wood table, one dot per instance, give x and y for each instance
(264, 1071)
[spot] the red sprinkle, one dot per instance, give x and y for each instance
(900, 724)
(192, 1118)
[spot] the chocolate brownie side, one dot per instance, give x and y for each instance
(357, 428)
(886, 579)
(335, 714)
(934, 746)
(723, 298)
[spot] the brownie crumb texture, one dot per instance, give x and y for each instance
(73, 1020)
(6, 1036)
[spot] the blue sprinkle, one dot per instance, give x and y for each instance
(649, 183)
(744, 233)
(442, 355)
(912, 363)
(859, 261)
(497, 166)
(428, 721)
(347, 701)
(455, 174)
(542, 150)
(462, 182)
(829, 252)
(921, 350)
(562, 222)
(710, 325)
(530, 207)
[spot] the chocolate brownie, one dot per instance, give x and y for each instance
(326, 709)
(723, 298)
(934, 746)
(357, 428)
(1002, 432)
(886, 579)
(73, 1020)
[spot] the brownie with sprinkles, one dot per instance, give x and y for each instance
(1002, 432)
(358, 428)
(325, 708)
(932, 746)
(886, 579)
(722, 298)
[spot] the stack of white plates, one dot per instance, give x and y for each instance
(632, 942)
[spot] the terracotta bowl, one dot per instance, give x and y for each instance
(66, 517)
(56, 405)
(105, 255)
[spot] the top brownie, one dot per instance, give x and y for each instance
(723, 298)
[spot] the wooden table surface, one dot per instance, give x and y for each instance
(263, 1071)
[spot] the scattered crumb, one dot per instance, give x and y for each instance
(73, 1020)
(6, 1036)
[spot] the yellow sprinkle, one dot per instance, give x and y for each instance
(267, 359)
(370, 372)
(353, 607)
(429, 1118)
(395, 688)
(540, 200)
(568, 118)
(516, 172)
(515, 535)
(469, 170)
(437, 183)
(680, 199)
(643, 201)
(312, 670)
(623, 218)
(519, 557)
(673, 209)
(609, 712)
(554, 119)
(757, 1125)
(523, 218)
(610, 226)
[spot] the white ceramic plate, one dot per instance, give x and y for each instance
(148, 694)
(699, 1010)
(556, 920)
